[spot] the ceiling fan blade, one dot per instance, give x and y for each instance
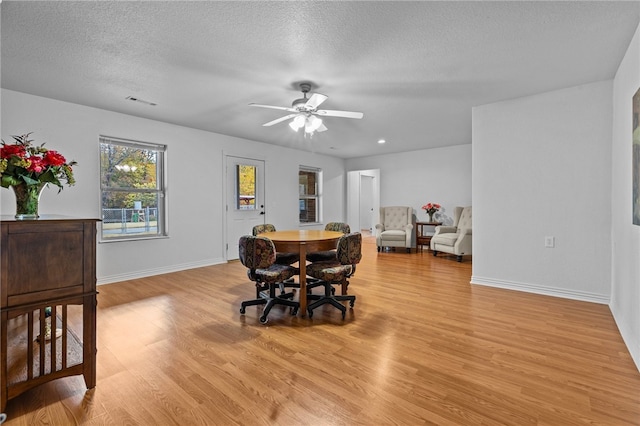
(274, 107)
(343, 114)
(279, 120)
(315, 100)
(322, 128)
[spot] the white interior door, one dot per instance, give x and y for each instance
(245, 199)
(363, 187)
(366, 203)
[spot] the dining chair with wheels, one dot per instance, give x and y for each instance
(319, 256)
(281, 258)
(332, 272)
(258, 255)
(326, 255)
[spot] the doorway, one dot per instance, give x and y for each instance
(363, 199)
(366, 203)
(244, 200)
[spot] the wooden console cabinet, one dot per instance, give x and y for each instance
(47, 281)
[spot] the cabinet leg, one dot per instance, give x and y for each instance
(4, 316)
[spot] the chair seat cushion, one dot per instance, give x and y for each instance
(287, 258)
(393, 235)
(274, 274)
(328, 271)
(322, 256)
(448, 239)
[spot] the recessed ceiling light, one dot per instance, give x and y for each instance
(381, 141)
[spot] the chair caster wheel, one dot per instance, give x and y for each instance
(263, 319)
(310, 313)
(343, 314)
(352, 303)
(242, 310)
(294, 311)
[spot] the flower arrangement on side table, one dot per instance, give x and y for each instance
(27, 169)
(431, 209)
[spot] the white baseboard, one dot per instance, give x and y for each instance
(539, 289)
(157, 271)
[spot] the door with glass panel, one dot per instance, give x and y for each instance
(245, 199)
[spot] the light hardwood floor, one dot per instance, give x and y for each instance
(421, 346)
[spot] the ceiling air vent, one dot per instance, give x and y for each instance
(142, 101)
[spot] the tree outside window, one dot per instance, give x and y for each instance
(246, 181)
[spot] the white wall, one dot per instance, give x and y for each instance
(195, 173)
(625, 253)
(542, 167)
(439, 175)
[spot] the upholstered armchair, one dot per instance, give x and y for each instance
(454, 239)
(395, 228)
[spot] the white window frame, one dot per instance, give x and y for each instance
(160, 190)
(317, 196)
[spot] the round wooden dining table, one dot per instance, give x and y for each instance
(303, 241)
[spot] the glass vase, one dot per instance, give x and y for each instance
(27, 198)
(431, 217)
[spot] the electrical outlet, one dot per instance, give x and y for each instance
(550, 242)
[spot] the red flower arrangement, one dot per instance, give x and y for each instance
(23, 163)
(431, 208)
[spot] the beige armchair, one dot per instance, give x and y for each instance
(454, 239)
(395, 227)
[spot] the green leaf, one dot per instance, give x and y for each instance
(8, 181)
(29, 181)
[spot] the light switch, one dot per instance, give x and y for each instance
(550, 242)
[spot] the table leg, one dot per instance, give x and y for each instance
(303, 279)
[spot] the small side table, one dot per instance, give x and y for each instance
(423, 239)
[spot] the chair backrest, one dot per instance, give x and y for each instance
(395, 217)
(256, 252)
(462, 218)
(349, 250)
(261, 229)
(338, 227)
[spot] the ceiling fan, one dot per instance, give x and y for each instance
(305, 112)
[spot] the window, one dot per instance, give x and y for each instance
(132, 189)
(309, 184)
(246, 187)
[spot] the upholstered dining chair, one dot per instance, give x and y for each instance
(318, 256)
(281, 258)
(258, 255)
(330, 272)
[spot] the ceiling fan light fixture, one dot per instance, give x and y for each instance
(313, 124)
(297, 122)
(304, 112)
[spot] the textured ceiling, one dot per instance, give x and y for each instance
(414, 68)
